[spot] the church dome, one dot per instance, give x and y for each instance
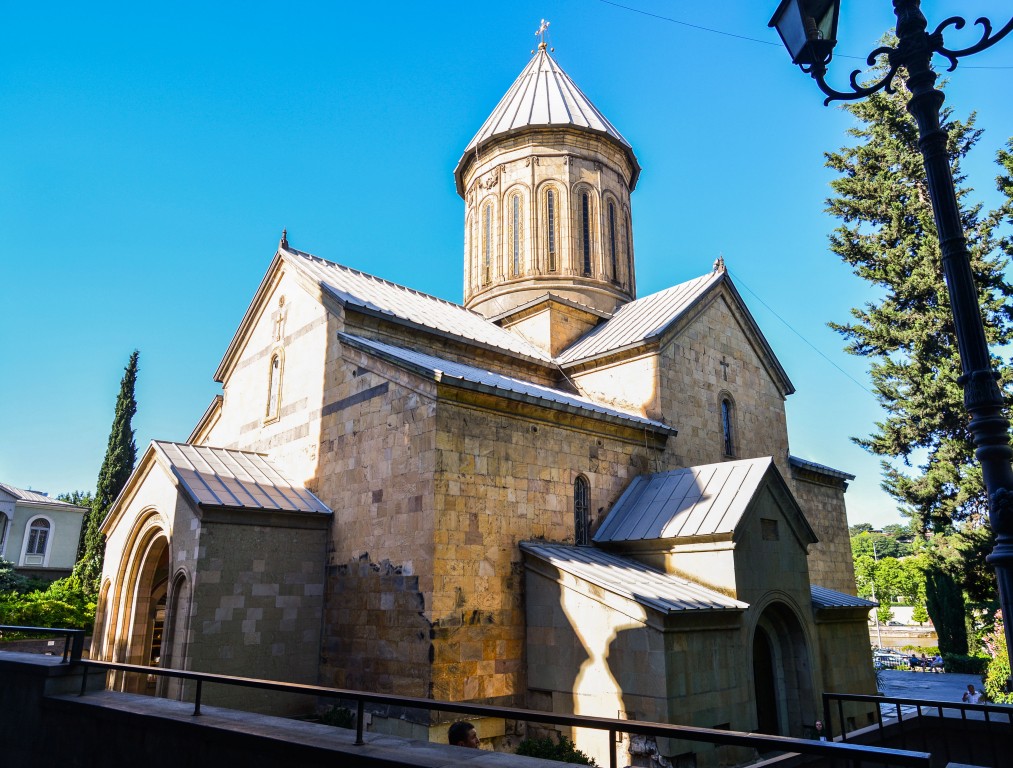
(546, 183)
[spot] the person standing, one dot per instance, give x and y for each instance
(971, 696)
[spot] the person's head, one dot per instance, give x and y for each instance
(970, 687)
(462, 734)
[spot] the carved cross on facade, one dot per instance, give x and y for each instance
(724, 364)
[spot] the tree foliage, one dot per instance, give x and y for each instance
(887, 235)
(997, 675)
(565, 751)
(81, 499)
(121, 453)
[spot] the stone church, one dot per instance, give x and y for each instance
(557, 495)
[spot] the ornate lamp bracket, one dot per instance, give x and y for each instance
(987, 39)
(899, 57)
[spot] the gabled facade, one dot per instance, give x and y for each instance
(39, 534)
(439, 438)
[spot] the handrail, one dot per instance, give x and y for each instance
(841, 750)
(73, 643)
(987, 709)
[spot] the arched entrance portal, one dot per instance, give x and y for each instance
(147, 620)
(782, 673)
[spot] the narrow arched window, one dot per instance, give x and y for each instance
(4, 527)
(552, 235)
(515, 230)
(38, 537)
(726, 427)
(274, 387)
(471, 252)
(585, 231)
(629, 253)
(487, 245)
(612, 242)
(581, 511)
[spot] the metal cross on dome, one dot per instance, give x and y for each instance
(542, 29)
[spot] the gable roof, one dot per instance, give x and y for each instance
(648, 318)
(632, 579)
(707, 500)
(35, 497)
(222, 477)
(544, 95)
(441, 370)
(639, 321)
(373, 295)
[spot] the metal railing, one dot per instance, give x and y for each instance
(996, 719)
(847, 753)
(73, 639)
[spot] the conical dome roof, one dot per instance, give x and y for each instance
(543, 95)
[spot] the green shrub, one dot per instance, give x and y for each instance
(966, 665)
(62, 605)
(11, 580)
(997, 676)
(547, 749)
(339, 717)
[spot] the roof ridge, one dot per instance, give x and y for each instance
(384, 280)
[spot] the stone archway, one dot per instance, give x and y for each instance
(144, 590)
(782, 673)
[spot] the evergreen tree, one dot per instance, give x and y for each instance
(121, 453)
(888, 236)
(80, 499)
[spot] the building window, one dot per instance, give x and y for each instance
(629, 253)
(581, 511)
(585, 232)
(515, 232)
(727, 436)
(612, 242)
(274, 387)
(38, 538)
(552, 236)
(4, 526)
(487, 245)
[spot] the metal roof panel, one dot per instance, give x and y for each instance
(706, 500)
(631, 579)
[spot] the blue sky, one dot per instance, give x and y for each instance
(150, 155)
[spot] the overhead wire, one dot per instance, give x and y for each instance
(788, 325)
(746, 37)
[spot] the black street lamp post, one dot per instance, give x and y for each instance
(809, 29)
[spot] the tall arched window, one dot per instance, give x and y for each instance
(4, 526)
(274, 387)
(727, 437)
(38, 537)
(585, 233)
(612, 242)
(515, 235)
(471, 253)
(487, 244)
(629, 252)
(581, 511)
(552, 230)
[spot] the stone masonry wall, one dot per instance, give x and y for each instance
(707, 359)
(257, 606)
(377, 457)
(830, 562)
(501, 479)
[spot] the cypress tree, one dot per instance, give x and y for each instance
(888, 236)
(121, 453)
